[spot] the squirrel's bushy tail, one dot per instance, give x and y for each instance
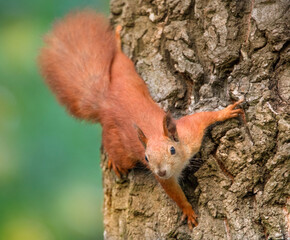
(76, 62)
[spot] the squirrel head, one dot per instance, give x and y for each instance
(164, 154)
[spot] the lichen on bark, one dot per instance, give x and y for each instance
(197, 56)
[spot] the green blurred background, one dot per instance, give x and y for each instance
(50, 179)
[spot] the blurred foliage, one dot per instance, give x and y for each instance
(50, 179)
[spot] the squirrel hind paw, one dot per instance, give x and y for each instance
(118, 29)
(120, 172)
(118, 36)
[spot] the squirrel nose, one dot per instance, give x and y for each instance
(161, 173)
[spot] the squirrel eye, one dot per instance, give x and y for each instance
(146, 158)
(172, 150)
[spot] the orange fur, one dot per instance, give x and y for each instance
(84, 66)
(76, 62)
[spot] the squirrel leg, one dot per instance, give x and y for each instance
(173, 189)
(118, 158)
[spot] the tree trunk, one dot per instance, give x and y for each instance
(198, 56)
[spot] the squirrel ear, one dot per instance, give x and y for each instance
(141, 136)
(169, 127)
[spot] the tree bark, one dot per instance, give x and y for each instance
(198, 56)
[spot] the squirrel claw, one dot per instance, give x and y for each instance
(232, 106)
(191, 217)
(109, 163)
(116, 170)
(237, 103)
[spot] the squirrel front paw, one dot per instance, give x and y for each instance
(190, 215)
(230, 111)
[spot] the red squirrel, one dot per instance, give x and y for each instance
(84, 66)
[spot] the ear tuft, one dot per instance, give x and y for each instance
(141, 136)
(169, 127)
